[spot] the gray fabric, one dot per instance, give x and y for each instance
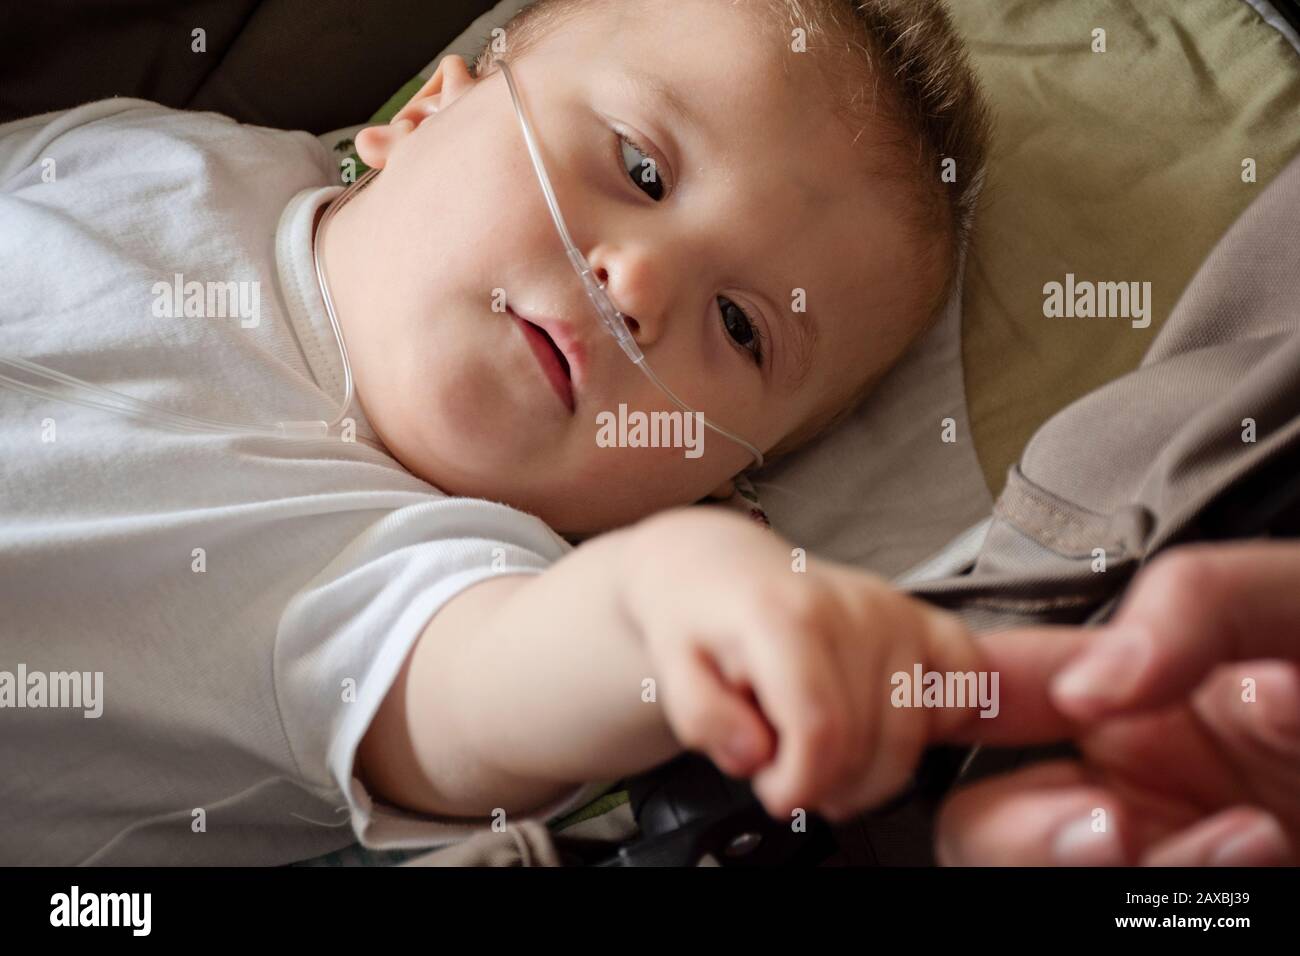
(957, 557)
(1130, 466)
(530, 843)
(527, 843)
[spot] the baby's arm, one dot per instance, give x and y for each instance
(523, 687)
(520, 688)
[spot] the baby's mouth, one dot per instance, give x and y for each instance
(551, 358)
(559, 353)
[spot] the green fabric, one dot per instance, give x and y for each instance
(1115, 166)
(397, 101)
(597, 807)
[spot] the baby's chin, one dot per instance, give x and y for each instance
(466, 447)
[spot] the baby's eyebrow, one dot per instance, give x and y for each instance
(648, 85)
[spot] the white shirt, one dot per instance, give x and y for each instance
(245, 601)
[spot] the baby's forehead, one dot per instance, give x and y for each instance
(703, 42)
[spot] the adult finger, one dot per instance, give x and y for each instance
(1238, 836)
(1047, 814)
(1192, 609)
(1025, 660)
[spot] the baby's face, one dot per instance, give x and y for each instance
(759, 193)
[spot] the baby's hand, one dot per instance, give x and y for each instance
(782, 674)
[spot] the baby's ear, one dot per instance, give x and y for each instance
(450, 80)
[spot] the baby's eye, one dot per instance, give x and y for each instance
(741, 330)
(642, 168)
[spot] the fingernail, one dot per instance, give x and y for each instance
(1261, 843)
(1109, 671)
(405, 125)
(1078, 844)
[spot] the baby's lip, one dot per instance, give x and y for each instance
(562, 334)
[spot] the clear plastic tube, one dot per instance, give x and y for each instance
(78, 391)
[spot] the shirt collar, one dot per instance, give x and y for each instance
(310, 321)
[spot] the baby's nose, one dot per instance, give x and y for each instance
(637, 296)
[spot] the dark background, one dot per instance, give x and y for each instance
(316, 65)
(293, 64)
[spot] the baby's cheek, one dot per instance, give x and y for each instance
(464, 392)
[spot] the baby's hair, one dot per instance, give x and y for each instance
(899, 63)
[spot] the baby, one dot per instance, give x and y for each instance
(388, 628)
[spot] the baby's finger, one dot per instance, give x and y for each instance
(860, 658)
(1240, 836)
(710, 716)
(894, 747)
(803, 699)
(934, 641)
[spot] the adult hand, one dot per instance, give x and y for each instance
(1186, 712)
